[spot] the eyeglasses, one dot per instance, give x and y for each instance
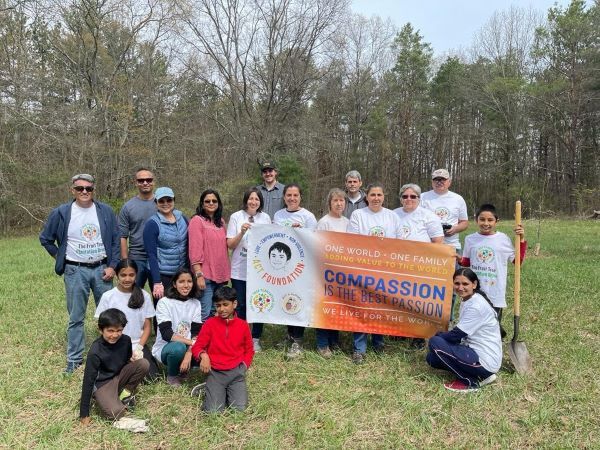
(209, 201)
(164, 200)
(145, 180)
(83, 188)
(439, 180)
(412, 197)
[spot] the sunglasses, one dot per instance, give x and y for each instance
(83, 188)
(165, 200)
(209, 201)
(145, 180)
(439, 180)
(412, 197)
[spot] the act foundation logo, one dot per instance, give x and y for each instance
(291, 304)
(443, 213)
(485, 254)
(89, 231)
(377, 231)
(405, 232)
(262, 301)
(278, 258)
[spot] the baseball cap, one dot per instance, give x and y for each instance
(440, 173)
(163, 192)
(267, 165)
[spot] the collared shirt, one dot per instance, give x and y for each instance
(273, 199)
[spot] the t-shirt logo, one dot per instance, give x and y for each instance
(89, 231)
(405, 232)
(485, 254)
(377, 231)
(287, 223)
(443, 213)
(184, 329)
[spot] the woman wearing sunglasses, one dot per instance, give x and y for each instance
(165, 241)
(416, 222)
(208, 248)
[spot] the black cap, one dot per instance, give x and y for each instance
(267, 165)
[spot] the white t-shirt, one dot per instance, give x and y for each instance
(239, 254)
(330, 223)
(420, 225)
(84, 241)
(478, 320)
(489, 256)
(181, 314)
(384, 223)
(304, 217)
(450, 208)
(135, 317)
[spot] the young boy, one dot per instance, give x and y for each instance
(225, 350)
(110, 376)
(488, 252)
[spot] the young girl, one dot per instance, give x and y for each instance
(488, 253)
(137, 306)
(472, 350)
(179, 316)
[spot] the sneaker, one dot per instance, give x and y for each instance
(295, 351)
(379, 349)
(124, 394)
(335, 347)
(174, 380)
(198, 390)
(325, 352)
(256, 344)
(71, 367)
(358, 358)
(285, 342)
(129, 402)
(488, 380)
(460, 386)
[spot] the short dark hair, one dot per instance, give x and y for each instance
(224, 293)
(112, 317)
(486, 207)
(172, 292)
(247, 196)
(292, 185)
(373, 186)
(281, 247)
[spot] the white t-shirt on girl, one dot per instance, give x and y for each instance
(239, 254)
(330, 223)
(478, 320)
(419, 225)
(449, 207)
(489, 256)
(181, 314)
(384, 223)
(135, 317)
(304, 217)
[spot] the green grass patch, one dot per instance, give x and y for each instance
(392, 401)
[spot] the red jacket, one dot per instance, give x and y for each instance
(227, 343)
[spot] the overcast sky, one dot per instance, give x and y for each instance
(445, 24)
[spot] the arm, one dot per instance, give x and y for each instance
(124, 248)
(460, 226)
(48, 236)
(248, 346)
(124, 231)
(151, 246)
(92, 367)
(454, 336)
(196, 249)
(199, 349)
(520, 231)
(146, 331)
(234, 237)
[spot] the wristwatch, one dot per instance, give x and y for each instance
(199, 274)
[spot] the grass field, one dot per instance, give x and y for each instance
(392, 401)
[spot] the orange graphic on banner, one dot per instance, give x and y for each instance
(384, 286)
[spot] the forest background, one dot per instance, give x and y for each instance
(200, 90)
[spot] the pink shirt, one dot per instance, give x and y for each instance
(208, 246)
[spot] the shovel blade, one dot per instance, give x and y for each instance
(519, 357)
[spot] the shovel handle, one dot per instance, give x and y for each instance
(517, 303)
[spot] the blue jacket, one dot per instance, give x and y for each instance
(166, 244)
(54, 235)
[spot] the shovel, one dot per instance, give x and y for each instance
(519, 356)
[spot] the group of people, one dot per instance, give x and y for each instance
(199, 319)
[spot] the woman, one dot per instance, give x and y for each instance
(237, 240)
(328, 340)
(374, 220)
(472, 350)
(165, 241)
(417, 223)
(209, 257)
(294, 215)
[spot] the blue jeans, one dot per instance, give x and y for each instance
(240, 289)
(206, 299)
(360, 341)
(463, 361)
(327, 338)
(79, 281)
(143, 273)
(171, 356)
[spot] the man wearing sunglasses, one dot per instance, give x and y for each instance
(132, 218)
(271, 189)
(82, 237)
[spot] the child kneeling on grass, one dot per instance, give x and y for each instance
(111, 376)
(225, 350)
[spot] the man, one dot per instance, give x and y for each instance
(355, 195)
(82, 237)
(271, 189)
(448, 206)
(132, 218)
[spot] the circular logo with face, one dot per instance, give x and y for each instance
(405, 232)
(292, 304)
(89, 231)
(377, 231)
(485, 254)
(443, 213)
(261, 301)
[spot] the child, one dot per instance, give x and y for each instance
(488, 253)
(224, 348)
(110, 373)
(137, 306)
(472, 350)
(179, 316)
